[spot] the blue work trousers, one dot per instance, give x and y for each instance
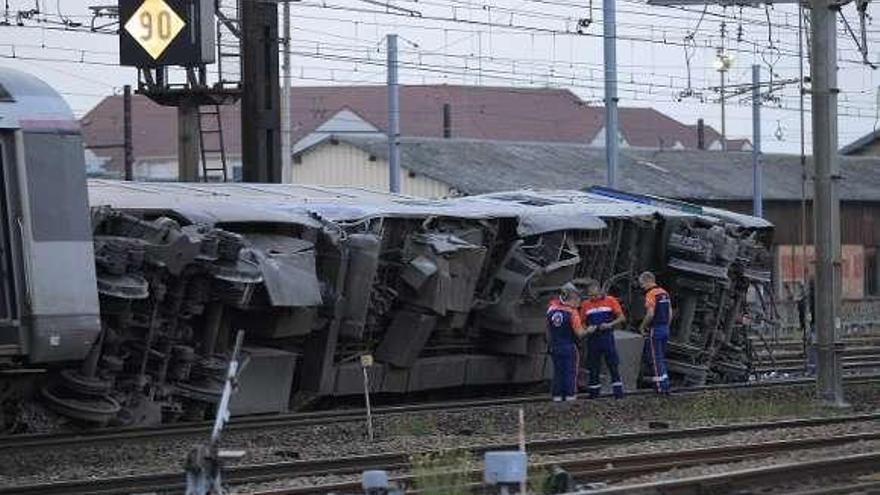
(655, 357)
(600, 345)
(565, 370)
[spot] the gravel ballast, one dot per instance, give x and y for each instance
(413, 432)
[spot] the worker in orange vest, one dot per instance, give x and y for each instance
(564, 328)
(602, 313)
(655, 326)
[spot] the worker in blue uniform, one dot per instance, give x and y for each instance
(601, 314)
(655, 326)
(564, 328)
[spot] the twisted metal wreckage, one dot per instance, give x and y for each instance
(443, 293)
(132, 314)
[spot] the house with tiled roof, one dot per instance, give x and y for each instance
(473, 112)
(867, 145)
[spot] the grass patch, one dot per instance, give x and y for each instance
(442, 473)
(587, 425)
(539, 480)
(730, 408)
(413, 425)
(490, 426)
(580, 424)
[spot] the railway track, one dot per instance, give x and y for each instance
(617, 468)
(787, 356)
(764, 476)
(781, 348)
(621, 466)
(857, 488)
(250, 423)
(854, 365)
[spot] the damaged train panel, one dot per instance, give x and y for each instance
(442, 293)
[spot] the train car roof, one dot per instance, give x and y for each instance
(215, 203)
(537, 210)
(30, 104)
(608, 205)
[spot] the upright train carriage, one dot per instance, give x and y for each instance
(125, 315)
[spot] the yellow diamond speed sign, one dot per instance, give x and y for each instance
(154, 26)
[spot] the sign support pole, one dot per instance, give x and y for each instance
(187, 141)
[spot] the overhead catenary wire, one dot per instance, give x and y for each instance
(486, 59)
(550, 32)
(509, 76)
(653, 85)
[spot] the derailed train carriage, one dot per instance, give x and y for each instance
(443, 294)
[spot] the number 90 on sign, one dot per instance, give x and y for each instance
(154, 25)
(161, 27)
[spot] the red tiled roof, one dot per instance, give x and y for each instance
(516, 114)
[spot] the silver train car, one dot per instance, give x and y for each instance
(48, 312)
(127, 308)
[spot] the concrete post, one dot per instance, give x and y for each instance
(826, 202)
(286, 144)
(609, 33)
(188, 141)
(757, 173)
(126, 131)
(393, 117)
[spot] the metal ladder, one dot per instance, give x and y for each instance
(211, 143)
(228, 42)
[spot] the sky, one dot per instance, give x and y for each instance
(667, 56)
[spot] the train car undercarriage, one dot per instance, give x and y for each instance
(443, 294)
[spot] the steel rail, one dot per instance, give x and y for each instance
(847, 489)
(798, 354)
(873, 340)
(622, 465)
(846, 364)
(764, 476)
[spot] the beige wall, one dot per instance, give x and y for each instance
(342, 164)
(165, 169)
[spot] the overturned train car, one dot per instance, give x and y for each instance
(120, 299)
(442, 294)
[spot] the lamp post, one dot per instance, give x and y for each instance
(723, 62)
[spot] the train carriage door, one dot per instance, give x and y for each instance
(62, 316)
(11, 339)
